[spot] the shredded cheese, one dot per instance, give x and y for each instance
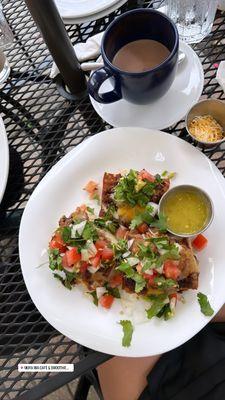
(206, 128)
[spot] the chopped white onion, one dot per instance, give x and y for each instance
(162, 251)
(84, 255)
(133, 261)
(149, 271)
(129, 243)
(179, 247)
(160, 269)
(91, 248)
(92, 270)
(173, 302)
(100, 291)
(126, 254)
(78, 228)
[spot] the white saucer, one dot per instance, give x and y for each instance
(184, 92)
(4, 159)
(70, 20)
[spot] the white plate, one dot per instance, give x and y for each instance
(71, 312)
(4, 159)
(183, 94)
(82, 8)
(94, 17)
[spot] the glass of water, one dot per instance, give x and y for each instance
(194, 18)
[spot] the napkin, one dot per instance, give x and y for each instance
(220, 75)
(88, 50)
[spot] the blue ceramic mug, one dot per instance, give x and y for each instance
(144, 87)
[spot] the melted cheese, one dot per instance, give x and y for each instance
(127, 213)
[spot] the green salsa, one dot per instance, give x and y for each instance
(187, 211)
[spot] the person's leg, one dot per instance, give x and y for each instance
(220, 316)
(123, 378)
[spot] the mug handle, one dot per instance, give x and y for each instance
(96, 80)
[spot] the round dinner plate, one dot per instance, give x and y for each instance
(72, 312)
(94, 17)
(4, 159)
(169, 109)
(82, 8)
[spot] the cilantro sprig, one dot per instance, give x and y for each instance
(127, 332)
(55, 260)
(145, 216)
(158, 302)
(140, 282)
(205, 306)
(128, 192)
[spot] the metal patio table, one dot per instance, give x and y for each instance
(42, 126)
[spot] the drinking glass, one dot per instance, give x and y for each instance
(194, 18)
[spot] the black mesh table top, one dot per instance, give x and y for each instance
(42, 126)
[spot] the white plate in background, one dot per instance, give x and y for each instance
(4, 159)
(82, 8)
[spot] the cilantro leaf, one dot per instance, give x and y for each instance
(145, 216)
(145, 251)
(164, 283)
(136, 221)
(140, 282)
(205, 306)
(166, 312)
(127, 332)
(94, 295)
(149, 263)
(66, 234)
(157, 305)
(114, 292)
(68, 280)
(161, 243)
(55, 260)
(90, 232)
(161, 223)
(90, 210)
(126, 269)
(129, 192)
(100, 222)
(120, 248)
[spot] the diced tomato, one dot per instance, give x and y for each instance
(91, 188)
(171, 270)
(83, 267)
(146, 175)
(151, 278)
(64, 261)
(72, 256)
(200, 242)
(106, 300)
(121, 232)
(57, 243)
(95, 261)
(58, 238)
(116, 280)
(107, 254)
(142, 228)
(100, 245)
